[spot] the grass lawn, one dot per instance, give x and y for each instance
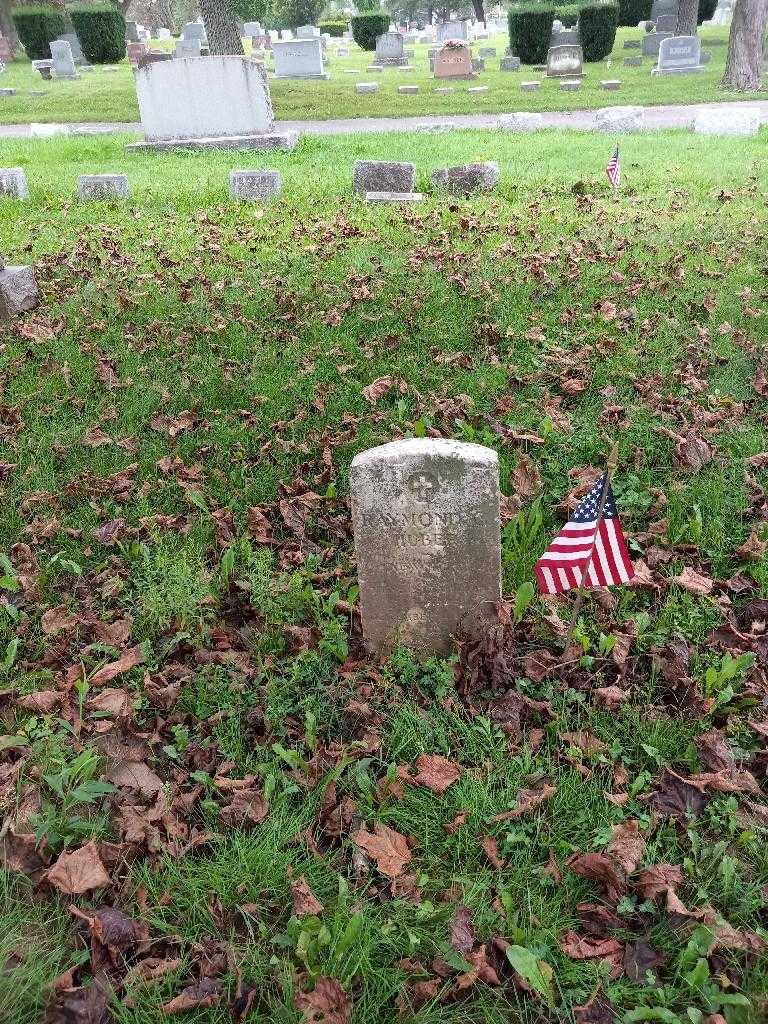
(110, 96)
(209, 791)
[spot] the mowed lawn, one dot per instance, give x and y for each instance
(214, 802)
(110, 95)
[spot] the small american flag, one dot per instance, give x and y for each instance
(587, 546)
(613, 170)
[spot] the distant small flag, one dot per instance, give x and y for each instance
(613, 170)
(588, 548)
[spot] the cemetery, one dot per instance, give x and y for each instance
(384, 558)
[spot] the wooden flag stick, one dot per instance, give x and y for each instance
(613, 461)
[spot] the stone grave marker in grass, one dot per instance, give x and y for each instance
(427, 541)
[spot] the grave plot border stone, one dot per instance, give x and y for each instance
(255, 186)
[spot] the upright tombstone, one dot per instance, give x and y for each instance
(452, 30)
(651, 43)
(299, 58)
(427, 541)
(187, 48)
(13, 183)
(453, 62)
(664, 7)
(667, 23)
(679, 55)
(389, 49)
(194, 30)
(131, 32)
(136, 53)
(565, 61)
(252, 28)
(307, 32)
(18, 290)
(164, 33)
(74, 43)
(208, 103)
(63, 64)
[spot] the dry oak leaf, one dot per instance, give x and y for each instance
(78, 872)
(527, 800)
(491, 849)
(206, 993)
(305, 903)
(436, 772)
(694, 583)
(42, 701)
(599, 867)
(327, 1003)
(658, 879)
(386, 846)
(58, 620)
(588, 947)
(137, 775)
(627, 845)
(376, 390)
(126, 661)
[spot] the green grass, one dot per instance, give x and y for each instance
(103, 96)
(266, 325)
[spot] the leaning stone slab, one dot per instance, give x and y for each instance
(210, 103)
(394, 197)
(255, 186)
(18, 291)
(733, 121)
(522, 122)
(467, 179)
(530, 86)
(427, 541)
(620, 119)
(103, 186)
(13, 183)
(509, 64)
(383, 176)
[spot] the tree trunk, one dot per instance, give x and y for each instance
(743, 65)
(687, 17)
(479, 11)
(221, 27)
(164, 13)
(7, 28)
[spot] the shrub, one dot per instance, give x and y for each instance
(365, 28)
(334, 28)
(632, 12)
(37, 27)
(707, 9)
(569, 15)
(530, 30)
(597, 28)
(100, 28)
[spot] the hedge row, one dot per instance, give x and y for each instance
(99, 26)
(530, 29)
(365, 28)
(335, 28)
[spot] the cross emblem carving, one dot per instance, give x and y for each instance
(422, 486)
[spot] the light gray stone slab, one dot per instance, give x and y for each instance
(394, 197)
(427, 541)
(364, 87)
(255, 186)
(610, 84)
(679, 55)
(530, 86)
(101, 187)
(521, 121)
(408, 90)
(383, 176)
(18, 291)
(63, 64)
(13, 183)
(733, 121)
(299, 58)
(620, 119)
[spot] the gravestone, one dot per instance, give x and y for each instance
(389, 49)
(652, 41)
(18, 290)
(131, 32)
(565, 61)
(467, 179)
(679, 55)
(509, 64)
(487, 51)
(393, 197)
(252, 28)
(13, 183)
(165, 33)
(427, 541)
(662, 7)
(365, 87)
(99, 187)
(136, 53)
(453, 62)
(299, 58)
(383, 176)
(194, 30)
(667, 23)
(565, 37)
(63, 64)
(632, 62)
(452, 30)
(530, 86)
(187, 48)
(255, 186)
(212, 103)
(307, 32)
(74, 44)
